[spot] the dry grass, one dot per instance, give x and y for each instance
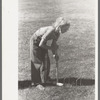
(77, 47)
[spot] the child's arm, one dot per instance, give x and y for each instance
(45, 38)
(54, 47)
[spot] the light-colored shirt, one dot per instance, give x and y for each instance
(47, 33)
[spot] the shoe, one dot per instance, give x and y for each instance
(32, 84)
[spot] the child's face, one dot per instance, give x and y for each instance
(64, 28)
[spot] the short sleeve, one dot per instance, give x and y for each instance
(47, 34)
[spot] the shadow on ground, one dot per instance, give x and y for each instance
(72, 81)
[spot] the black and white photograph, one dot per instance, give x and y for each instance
(56, 49)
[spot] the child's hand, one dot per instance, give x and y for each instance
(54, 48)
(56, 57)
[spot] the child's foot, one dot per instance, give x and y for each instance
(33, 84)
(40, 87)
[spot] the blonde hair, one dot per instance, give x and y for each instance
(59, 22)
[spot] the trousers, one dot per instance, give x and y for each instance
(40, 72)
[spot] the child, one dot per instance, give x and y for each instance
(40, 62)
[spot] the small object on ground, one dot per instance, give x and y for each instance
(40, 87)
(59, 84)
(32, 84)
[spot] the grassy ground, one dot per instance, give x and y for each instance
(77, 48)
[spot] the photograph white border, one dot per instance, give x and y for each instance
(96, 50)
(10, 50)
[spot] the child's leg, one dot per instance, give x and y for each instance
(48, 66)
(43, 72)
(45, 69)
(35, 73)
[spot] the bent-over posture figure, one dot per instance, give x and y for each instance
(40, 62)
